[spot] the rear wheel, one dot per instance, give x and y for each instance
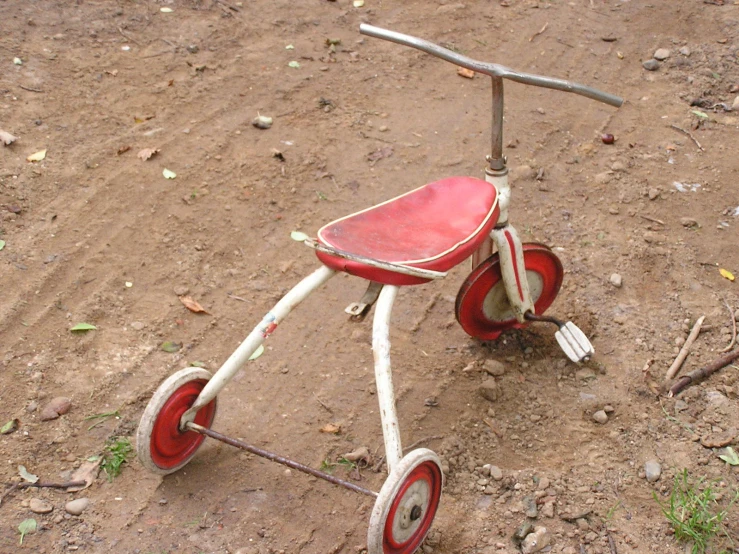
(160, 444)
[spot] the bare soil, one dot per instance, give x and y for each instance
(94, 234)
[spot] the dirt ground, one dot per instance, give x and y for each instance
(94, 234)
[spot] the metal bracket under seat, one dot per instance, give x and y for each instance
(359, 310)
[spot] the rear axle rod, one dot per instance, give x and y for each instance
(279, 459)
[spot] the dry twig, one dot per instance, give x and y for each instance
(40, 485)
(652, 219)
(426, 309)
(29, 89)
(127, 37)
(733, 327)
(675, 367)
(540, 31)
(689, 134)
(611, 542)
(702, 373)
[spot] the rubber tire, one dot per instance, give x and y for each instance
(189, 382)
(424, 464)
(543, 271)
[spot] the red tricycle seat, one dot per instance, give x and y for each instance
(433, 227)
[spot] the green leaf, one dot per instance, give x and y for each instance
(168, 174)
(258, 352)
(9, 427)
(731, 457)
(26, 475)
(94, 458)
(294, 64)
(699, 114)
(2, 244)
(83, 327)
(171, 346)
(197, 364)
(27, 526)
(298, 236)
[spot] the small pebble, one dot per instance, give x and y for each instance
(529, 504)
(735, 104)
(494, 368)
(653, 193)
(616, 280)
(651, 65)
(496, 473)
(613, 210)
(661, 54)
(56, 407)
(684, 50)
(489, 390)
(262, 122)
(652, 470)
(536, 541)
(76, 507)
(38, 506)
(600, 417)
(181, 290)
(137, 325)
(688, 222)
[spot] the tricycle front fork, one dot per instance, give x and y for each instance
(510, 251)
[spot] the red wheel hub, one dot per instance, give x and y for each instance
(429, 475)
(470, 305)
(169, 446)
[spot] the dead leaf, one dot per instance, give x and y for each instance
(123, 149)
(147, 153)
(380, 153)
(113, 73)
(726, 274)
(37, 156)
(87, 472)
(331, 428)
(360, 455)
(192, 305)
(142, 118)
(6, 138)
(718, 440)
(466, 73)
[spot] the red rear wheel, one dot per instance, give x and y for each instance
(162, 447)
(482, 306)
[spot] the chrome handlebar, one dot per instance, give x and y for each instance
(491, 69)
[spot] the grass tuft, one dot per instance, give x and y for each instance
(694, 512)
(116, 454)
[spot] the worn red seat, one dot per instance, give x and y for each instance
(433, 227)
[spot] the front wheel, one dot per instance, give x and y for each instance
(482, 306)
(406, 506)
(160, 444)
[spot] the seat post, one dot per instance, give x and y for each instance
(384, 377)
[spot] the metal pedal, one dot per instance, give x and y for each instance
(571, 339)
(359, 310)
(574, 343)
